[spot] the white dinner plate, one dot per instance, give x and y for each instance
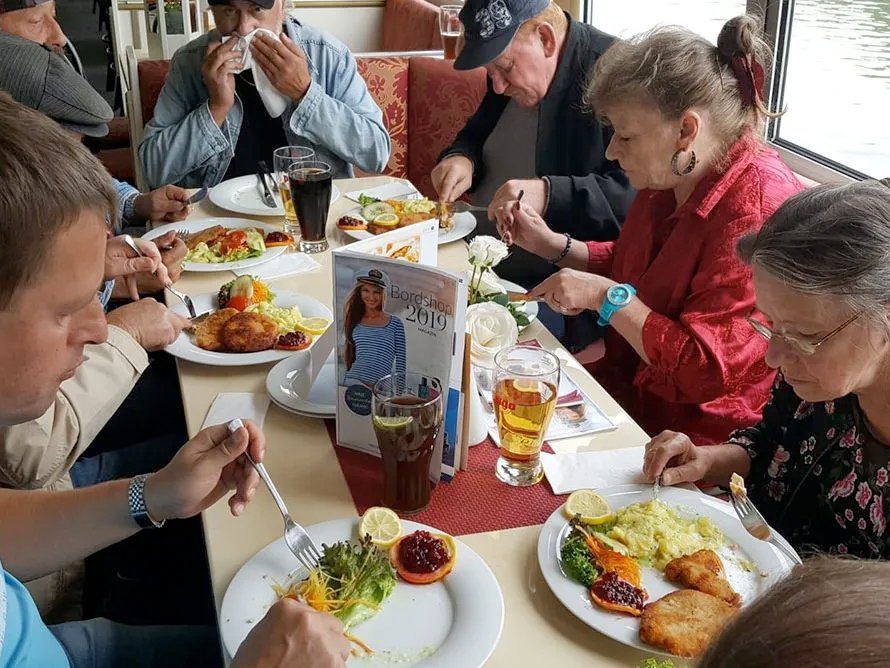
(242, 195)
(184, 346)
(769, 565)
(459, 619)
(192, 226)
(288, 385)
(464, 223)
(531, 307)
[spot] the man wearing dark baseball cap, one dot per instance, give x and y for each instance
(532, 133)
(259, 81)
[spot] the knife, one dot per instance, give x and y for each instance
(265, 194)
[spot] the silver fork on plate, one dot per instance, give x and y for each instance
(299, 542)
(185, 298)
(755, 525)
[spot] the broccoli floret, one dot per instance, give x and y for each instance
(576, 560)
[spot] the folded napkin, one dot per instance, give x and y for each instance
(593, 470)
(283, 265)
(274, 100)
(230, 405)
(393, 190)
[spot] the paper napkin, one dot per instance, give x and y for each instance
(393, 190)
(283, 265)
(593, 470)
(597, 469)
(230, 405)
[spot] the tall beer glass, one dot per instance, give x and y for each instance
(526, 387)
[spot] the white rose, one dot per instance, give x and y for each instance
(487, 251)
(491, 328)
(488, 283)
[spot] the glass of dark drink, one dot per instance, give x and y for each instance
(407, 416)
(450, 29)
(310, 188)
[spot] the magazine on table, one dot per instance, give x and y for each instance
(395, 311)
(575, 414)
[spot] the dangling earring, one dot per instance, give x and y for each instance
(675, 167)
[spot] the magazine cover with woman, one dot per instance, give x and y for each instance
(394, 316)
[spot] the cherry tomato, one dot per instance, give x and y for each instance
(239, 303)
(233, 240)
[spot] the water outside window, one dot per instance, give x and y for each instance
(837, 88)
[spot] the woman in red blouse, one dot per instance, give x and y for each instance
(679, 354)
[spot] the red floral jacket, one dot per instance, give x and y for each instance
(812, 478)
(706, 375)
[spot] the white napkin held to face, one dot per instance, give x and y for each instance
(274, 100)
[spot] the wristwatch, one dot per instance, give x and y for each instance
(617, 297)
(136, 501)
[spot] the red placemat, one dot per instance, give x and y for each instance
(474, 501)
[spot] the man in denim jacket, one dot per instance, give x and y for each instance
(210, 123)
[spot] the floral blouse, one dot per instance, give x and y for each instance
(817, 475)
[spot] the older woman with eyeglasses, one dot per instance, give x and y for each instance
(818, 463)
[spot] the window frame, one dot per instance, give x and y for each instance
(777, 17)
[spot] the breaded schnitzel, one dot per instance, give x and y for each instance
(208, 335)
(704, 572)
(684, 622)
(249, 332)
(208, 236)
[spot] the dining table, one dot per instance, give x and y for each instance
(537, 629)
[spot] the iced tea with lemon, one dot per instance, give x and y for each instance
(407, 426)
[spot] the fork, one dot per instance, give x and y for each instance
(755, 525)
(185, 298)
(298, 541)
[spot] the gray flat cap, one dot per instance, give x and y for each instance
(39, 77)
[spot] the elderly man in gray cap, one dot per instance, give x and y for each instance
(532, 132)
(216, 117)
(76, 106)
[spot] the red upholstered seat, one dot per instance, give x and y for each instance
(424, 102)
(410, 25)
(441, 101)
(387, 80)
(152, 74)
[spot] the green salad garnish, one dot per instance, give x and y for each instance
(577, 561)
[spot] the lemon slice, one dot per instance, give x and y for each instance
(382, 525)
(592, 508)
(392, 422)
(314, 326)
(386, 220)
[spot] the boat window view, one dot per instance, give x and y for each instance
(836, 69)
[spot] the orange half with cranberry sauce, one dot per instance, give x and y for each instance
(423, 557)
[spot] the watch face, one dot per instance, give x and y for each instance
(619, 295)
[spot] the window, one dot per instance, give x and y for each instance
(836, 88)
(629, 17)
(832, 72)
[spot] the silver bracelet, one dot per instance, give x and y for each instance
(565, 251)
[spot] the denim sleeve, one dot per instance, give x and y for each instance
(126, 194)
(182, 136)
(345, 120)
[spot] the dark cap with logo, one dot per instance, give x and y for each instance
(38, 77)
(265, 4)
(373, 277)
(490, 25)
(13, 5)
